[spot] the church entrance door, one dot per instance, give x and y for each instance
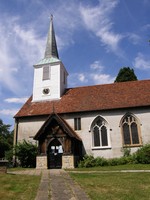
(54, 154)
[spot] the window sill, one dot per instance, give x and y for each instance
(132, 145)
(101, 148)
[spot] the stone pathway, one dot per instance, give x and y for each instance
(44, 190)
(56, 184)
(64, 188)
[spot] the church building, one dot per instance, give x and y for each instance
(67, 123)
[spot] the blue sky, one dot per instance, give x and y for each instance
(95, 39)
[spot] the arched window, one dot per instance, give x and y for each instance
(99, 133)
(130, 130)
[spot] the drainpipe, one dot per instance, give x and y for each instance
(15, 140)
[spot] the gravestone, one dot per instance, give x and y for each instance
(3, 166)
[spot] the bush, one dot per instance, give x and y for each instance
(143, 154)
(9, 157)
(100, 161)
(113, 161)
(90, 161)
(26, 153)
(126, 151)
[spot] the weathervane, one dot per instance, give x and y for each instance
(51, 17)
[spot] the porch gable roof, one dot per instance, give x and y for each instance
(68, 130)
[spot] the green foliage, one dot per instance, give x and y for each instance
(126, 74)
(99, 161)
(126, 151)
(26, 153)
(88, 161)
(143, 154)
(6, 138)
(9, 156)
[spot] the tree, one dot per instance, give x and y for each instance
(6, 138)
(126, 74)
(26, 153)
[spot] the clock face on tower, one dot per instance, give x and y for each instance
(46, 91)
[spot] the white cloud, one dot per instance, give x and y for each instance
(98, 20)
(102, 78)
(141, 62)
(8, 112)
(20, 48)
(96, 65)
(16, 100)
(82, 77)
(94, 75)
(31, 45)
(77, 79)
(134, 38)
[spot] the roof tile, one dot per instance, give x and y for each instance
(92, 98)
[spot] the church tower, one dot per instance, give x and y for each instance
(50, 75)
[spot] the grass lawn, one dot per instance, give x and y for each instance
(115, 185)
(18, 187)
(115, 168)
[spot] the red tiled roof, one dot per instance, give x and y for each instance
(92, 98)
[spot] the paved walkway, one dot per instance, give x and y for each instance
(56, 184)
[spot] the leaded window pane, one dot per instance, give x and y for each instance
(104, 136)
(99, 122)
(126, 134)
(77, 123)
(134, 131)
(96, 137)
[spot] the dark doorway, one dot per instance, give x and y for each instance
(54, 154)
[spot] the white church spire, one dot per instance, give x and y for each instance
(51, 46)
(50, 75)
